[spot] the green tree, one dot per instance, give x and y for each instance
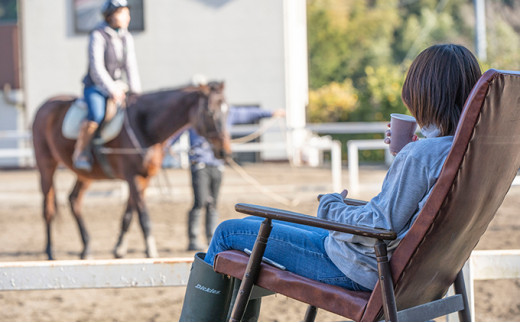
(365, 47)
(332, 102)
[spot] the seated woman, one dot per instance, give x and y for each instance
(435, 90)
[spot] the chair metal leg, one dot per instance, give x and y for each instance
(460, 288)
(252, 270)
(310, 315)
(385, 280)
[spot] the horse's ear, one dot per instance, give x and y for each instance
(204, 88)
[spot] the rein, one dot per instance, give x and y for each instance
(277, 197)
(248, 178)
(257, 133)
(138, 149)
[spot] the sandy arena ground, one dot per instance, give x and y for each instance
(169, 199)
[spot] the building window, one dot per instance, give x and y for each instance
(87, 14)
(8, 12)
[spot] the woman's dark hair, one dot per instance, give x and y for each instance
(438, 84)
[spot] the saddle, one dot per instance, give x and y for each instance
(109, 129)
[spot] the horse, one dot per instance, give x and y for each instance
(151, 119)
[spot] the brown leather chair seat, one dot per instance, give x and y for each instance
(324, 296)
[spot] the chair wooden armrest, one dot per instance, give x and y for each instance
(288, 216)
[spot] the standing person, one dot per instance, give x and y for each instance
(435, 89)
(110, 53)
(206, 174)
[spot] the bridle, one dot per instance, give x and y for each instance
(210, 118)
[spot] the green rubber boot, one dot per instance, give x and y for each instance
(252, 311)
(208, 294)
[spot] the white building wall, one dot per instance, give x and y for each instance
(258, 48)
(296, 75)
(53, 56)
(14, 140)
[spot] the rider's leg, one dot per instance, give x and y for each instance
(96, 103)
(200, 185)
(81, 156)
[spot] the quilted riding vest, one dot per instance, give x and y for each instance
(115, 56)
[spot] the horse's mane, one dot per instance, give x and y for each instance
(157, 94)
(185, 88)
(149, 108)
(156, 99)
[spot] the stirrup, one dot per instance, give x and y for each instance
(82, 164)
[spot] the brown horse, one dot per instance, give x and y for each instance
(151, 120)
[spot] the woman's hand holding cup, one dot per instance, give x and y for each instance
(403, 128)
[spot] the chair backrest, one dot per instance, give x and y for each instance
(475, 178)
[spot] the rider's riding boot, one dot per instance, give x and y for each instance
(208, 294)
(81, 157)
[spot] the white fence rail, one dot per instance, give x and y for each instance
(171, 272)
(353, 148)
(20, 148)
(80, 274)
(25, 153)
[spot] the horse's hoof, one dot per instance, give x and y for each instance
(151, 254)
(86, 256)
(151, 248)
(120, 251)
(118, 255)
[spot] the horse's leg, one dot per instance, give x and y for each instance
(46, 166)
(137, 187)
(121, 247)
(75, 198)
(50, 204)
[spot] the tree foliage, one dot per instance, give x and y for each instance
(359, 50)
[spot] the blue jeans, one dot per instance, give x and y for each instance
(96, 103)
(299, 248)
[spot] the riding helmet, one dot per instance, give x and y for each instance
(111, 6)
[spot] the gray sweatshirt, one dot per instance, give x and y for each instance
(405, 189)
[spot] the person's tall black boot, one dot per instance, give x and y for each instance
(211, 222)
(193, 230)
(208, 294)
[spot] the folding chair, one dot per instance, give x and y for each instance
(475, 178)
